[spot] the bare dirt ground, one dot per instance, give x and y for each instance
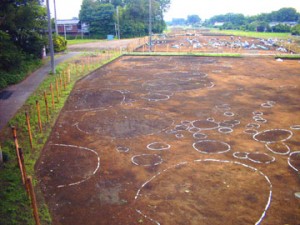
(177, 140)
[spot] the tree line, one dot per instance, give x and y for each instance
(23, 35)
(22, 24)
(260, 22)
(130, 16)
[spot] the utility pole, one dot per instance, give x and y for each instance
(118, 24)
(55, 18)
(50, 38)
(150, 26)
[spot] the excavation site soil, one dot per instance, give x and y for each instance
(178, 140)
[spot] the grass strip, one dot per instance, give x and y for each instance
(288, 56)
(15, 207)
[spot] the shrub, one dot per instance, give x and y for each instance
(60, 44)
(10, 55)
(296, 30)
(281, 28)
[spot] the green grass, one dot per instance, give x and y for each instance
(265, 35)
(82, 41)
(200, 54)
(14, 205)
(295, 56)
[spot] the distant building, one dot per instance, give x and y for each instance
(291, 24)
(71, 27)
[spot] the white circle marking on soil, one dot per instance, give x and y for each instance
(95, 170)
(289, 160)
(217, 161)
(162, 146)
(212, 141)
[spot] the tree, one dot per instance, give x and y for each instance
(296, 30)
(284, 15)
(102, 22)
(87, 10)
(193, 19)
(24, 21)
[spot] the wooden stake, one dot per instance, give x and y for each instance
(52, 96)
(21, 155)
(69, 75)
(57, 93)
(14, 131)
(1, 155)
(33, 200)
(29, 129)
(64, 80)
(60, 84)
(39, 115)
(46, 104)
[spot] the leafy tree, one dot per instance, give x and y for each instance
(24, 21)
(22, 37)
(296, 30)
(284, 15)
(103, 23)
(87, 10)
(193, 19)
(282, 28)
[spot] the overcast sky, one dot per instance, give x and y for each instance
(67, 9)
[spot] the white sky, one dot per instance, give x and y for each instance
(67, 9)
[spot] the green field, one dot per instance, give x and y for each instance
(82, 41)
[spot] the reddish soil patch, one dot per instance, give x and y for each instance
(172, 135)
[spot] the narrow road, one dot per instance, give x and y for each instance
(13, 97)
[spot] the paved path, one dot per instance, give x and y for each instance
(13, 97)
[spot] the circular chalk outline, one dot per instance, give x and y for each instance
(101, 107)
(255, 161)
(261, 120)
(166, 97)
(194, 130)
(295, 127)
(239, 157)
(271, 150)
(220, 152)
(291, 134)
(229, 114)
(204, 136)
(179, 136)
(257, 113)
(229, 130)
(146, 165)
(158, 149)
(289, 160)
(122, 149)
(204, 128)
(267, 206)
(266, 105)
(94, 172)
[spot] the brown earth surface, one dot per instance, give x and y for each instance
(177, 140)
